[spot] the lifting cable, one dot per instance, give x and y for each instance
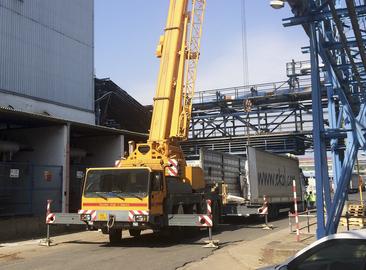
(244, 44)
(245, 64)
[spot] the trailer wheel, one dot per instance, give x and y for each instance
(135, 232)
(115, 236)
(273, 212)
(201, 207)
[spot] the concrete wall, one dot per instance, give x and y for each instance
(102, 150)
(46, 144)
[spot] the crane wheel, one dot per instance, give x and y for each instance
(215, 214)
(115, 236)
(135, 232)
(188, 209)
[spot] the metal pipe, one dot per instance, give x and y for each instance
(131, 147)
(8, 146)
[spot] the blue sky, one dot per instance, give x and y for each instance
(127, 32)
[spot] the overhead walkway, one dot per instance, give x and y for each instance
(272, 116)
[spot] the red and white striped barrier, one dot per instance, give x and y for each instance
(49, 206)
(172, 169)
(264, 209)
(206, 220)
(92, 213)
(132, 213)
(50, 218)
(209, 209)
(296, 212)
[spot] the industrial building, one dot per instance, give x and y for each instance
(47, 58)
(48, 135)
(108, 110)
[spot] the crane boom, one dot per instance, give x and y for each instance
(180, 128)
(179, 51)
(171, 46)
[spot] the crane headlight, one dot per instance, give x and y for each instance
(140, 218)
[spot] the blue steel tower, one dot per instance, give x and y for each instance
(336, 31)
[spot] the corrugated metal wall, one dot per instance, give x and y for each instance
(46, 50)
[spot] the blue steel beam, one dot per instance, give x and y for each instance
(345, 68)
(338, 45)
(320, 16)
(320, 159)
(336, 161)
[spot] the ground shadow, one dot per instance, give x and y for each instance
(185, 236)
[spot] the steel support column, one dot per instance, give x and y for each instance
(320, 158)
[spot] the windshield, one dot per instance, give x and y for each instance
(117, 183)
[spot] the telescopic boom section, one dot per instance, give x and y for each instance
(179, 52)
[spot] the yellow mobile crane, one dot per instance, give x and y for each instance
(153, 186)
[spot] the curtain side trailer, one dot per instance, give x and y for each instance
(246, 180)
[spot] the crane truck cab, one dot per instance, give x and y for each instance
(128, 198)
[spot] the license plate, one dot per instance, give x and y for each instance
(102, 216)
(135, 224)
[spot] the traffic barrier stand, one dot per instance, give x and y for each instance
(264, 212)
(296, 212)
(49, 219)
(267, 226)
(208, 221)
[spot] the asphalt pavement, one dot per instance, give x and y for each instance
(151, 251)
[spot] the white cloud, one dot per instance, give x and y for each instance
(267, 58)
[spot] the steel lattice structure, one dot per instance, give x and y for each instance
(271, 116)
(337, 37)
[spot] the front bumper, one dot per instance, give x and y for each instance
(116, 218)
